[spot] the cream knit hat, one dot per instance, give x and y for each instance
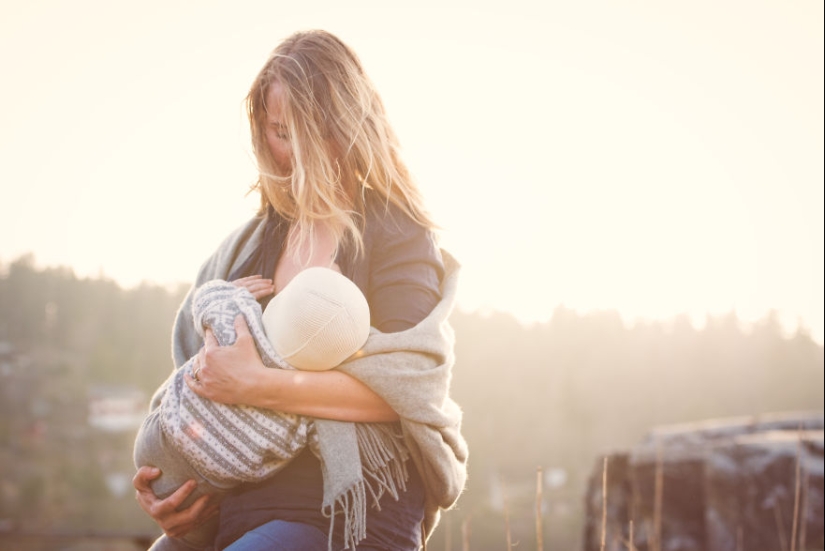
(318, 320)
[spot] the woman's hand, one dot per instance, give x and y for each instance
(165, 512)
(227, 374)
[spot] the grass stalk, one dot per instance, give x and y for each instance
(780, 526)
(604, 504)
(539, 530)
(465, 533)
(631, 545)
(796, 493)
(803, 511)
(506, 516)
(448, 535)
(658, 491)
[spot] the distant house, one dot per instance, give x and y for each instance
(116, 408)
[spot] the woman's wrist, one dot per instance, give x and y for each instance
(322, 394)
(268, 388)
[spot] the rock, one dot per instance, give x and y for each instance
(751, 492)
(686, 486)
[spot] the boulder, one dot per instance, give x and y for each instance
(680, 485)
(755, 483)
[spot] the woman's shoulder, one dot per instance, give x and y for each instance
(385, 220)
(396, 237)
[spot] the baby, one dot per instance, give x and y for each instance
(316, 322)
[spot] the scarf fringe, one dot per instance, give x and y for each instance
(353, 504)
(383, 459)
(384, 468)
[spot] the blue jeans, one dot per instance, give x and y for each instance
(295, 495)
(280, 535)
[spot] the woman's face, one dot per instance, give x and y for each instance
(277, 136)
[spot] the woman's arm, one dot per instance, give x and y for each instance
(236, 375)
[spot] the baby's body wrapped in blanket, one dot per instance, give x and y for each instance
(221, 445)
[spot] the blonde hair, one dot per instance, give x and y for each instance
(342, 142)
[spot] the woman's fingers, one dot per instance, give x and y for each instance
(170, 505)
(226, 373)
(247, 278)
(202, 510)
(173, 522)
(143, 477)
(209, 341)
(196, 381)
(177, 523)
(143, 489)
(195, 386)
(241, 327)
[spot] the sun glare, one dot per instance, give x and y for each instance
(651, 161)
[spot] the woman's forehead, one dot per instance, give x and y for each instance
(274, 100)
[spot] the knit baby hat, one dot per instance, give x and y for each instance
(318, 320)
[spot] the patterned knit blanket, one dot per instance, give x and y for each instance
(230, 444)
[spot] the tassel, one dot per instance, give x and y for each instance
(383, 459)
(353, 504)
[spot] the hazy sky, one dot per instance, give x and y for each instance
(650, 157)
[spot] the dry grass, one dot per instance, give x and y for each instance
(465, 533)
(797, 493)
(539, 529)
(777, 515)
(604, 504)
(654, 532)
(448, 536)
(631, 546)
(506, 516)
(657, 499)
(803, 532)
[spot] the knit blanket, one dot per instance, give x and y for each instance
(410, 369)
(230, 444)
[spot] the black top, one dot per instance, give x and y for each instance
(399, 270)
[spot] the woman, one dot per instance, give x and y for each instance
(334, 192)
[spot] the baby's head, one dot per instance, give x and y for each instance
(318, 320)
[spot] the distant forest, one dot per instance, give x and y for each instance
(553, 395)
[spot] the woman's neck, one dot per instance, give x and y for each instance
(317, 248)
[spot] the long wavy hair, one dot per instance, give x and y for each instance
(342, 142)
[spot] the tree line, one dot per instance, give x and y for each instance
(553, 395)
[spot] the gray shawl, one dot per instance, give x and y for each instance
(410, 369)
